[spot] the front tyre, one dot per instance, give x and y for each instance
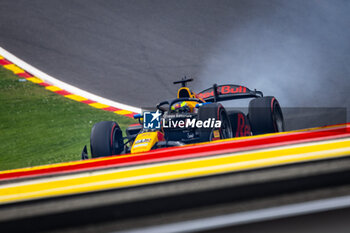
(106, 139)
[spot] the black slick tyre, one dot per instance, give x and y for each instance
(265, 115)
(106, 139)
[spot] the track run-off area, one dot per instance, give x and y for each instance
(180, 163)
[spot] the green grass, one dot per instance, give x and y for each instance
(40, 127)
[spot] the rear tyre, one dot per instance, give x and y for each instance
(217, 112)
(106, 139)
(265, 115)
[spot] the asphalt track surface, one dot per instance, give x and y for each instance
(131, 51)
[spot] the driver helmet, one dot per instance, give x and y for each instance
(181, 107)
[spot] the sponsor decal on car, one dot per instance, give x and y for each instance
(223, 90)
(143, 140)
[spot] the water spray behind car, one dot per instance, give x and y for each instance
(298, 51)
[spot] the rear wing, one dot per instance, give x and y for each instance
(228, 92)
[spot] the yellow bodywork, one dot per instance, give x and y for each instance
(144, 142)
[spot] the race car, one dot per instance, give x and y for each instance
(189, 118)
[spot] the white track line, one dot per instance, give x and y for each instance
(211, 223)
(47, 78)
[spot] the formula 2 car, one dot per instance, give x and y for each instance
(190, 118)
